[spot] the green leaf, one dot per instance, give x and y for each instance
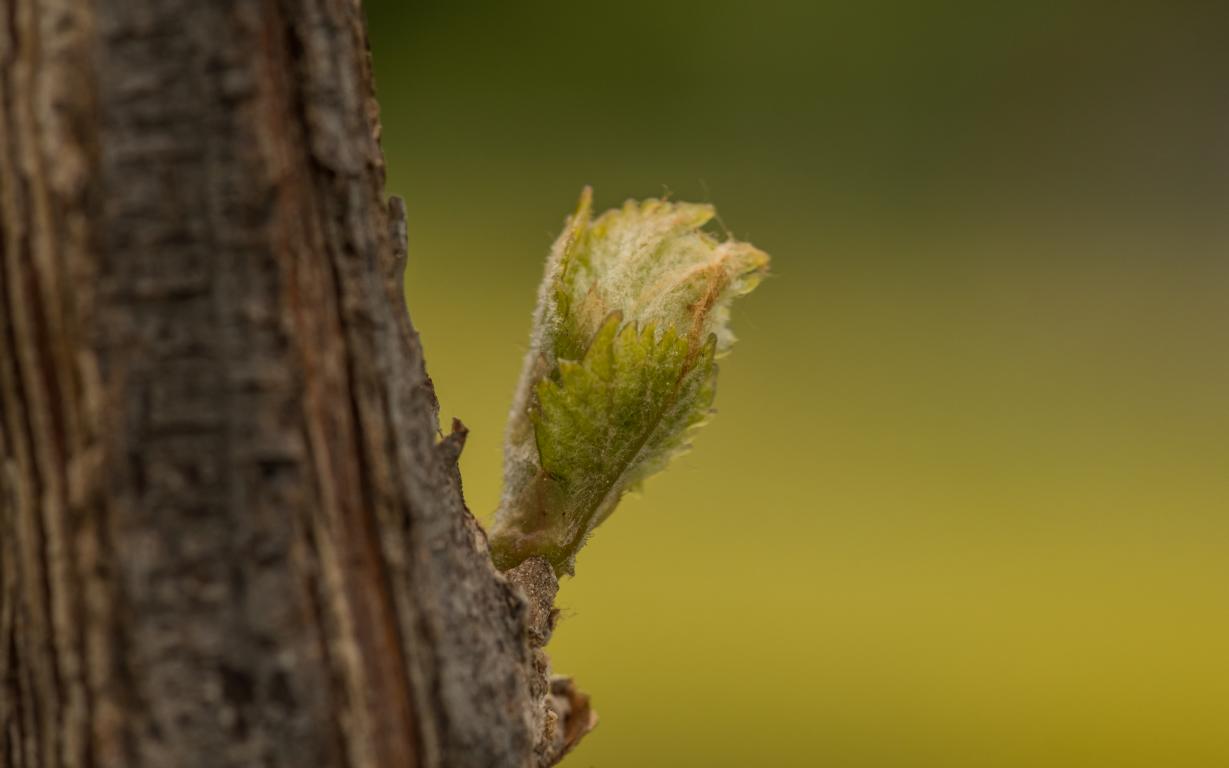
(605, 423)
(633, 310)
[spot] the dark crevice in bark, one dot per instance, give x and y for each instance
(286, 61)
(314, 590)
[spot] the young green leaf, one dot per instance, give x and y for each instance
(633, 309)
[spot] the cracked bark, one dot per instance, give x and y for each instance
(229, 533)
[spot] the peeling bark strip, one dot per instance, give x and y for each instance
(228, 536)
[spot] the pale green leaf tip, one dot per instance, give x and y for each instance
(634, 306)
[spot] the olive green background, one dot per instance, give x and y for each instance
(966, 501)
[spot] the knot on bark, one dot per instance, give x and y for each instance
(564, 715)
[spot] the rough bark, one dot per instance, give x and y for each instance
(229, 533)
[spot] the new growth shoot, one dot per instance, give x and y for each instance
(633, 310)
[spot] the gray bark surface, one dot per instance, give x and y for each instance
(229, 532)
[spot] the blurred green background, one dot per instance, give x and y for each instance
(966, 501)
